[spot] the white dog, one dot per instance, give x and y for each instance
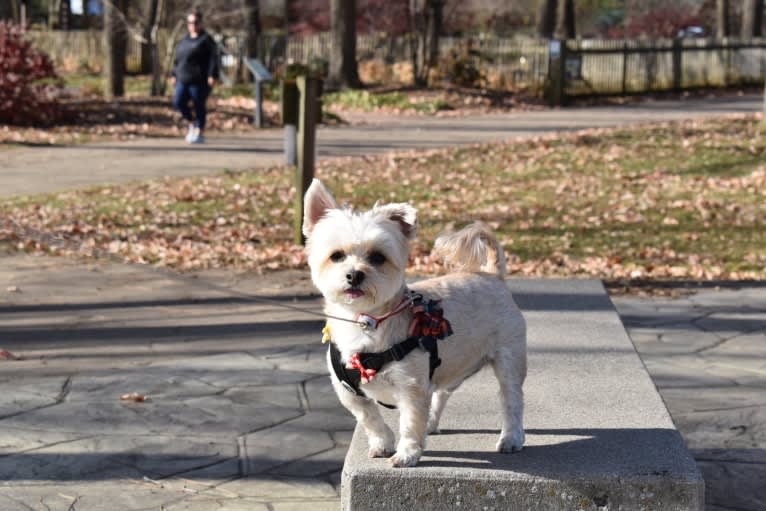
(452, 325)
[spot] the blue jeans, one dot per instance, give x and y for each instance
(198, 94)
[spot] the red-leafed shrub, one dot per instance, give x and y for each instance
(28, 80)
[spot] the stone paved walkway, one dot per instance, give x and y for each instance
(707, 356)
(240, 414)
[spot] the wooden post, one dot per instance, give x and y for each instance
(258, 114)
(624, 67)
(677, 67)
(557, 72)
(304, 172)
(289, 112)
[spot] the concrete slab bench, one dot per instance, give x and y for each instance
(598, 436)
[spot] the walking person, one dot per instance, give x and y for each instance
(194, 74)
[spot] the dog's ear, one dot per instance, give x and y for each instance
(317, 201)
(403, 214)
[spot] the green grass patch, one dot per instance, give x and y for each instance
(94, 84)
(368, 101)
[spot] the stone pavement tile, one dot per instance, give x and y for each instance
(205, 503)
(748, 298)
(665, 341)
(209, 415)
(111, 495)
(638, 312)
(203, 479)
(329, 505)
(688, 372)
(732, 323)
(737, 373)
(734, 485)
(16, 440)
(321, 394)
(313, 358)
(278, 492)
(264, 450)
(105, 457)
(750, 456)
(108, 386)
(315, 465)
(276, 488)
(23, 394)
(681, 400)
(743, 351)
(330, 420)
(742, 428)
(236, 369)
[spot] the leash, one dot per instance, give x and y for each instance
(51, 241)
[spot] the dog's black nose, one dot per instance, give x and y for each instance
(355, 277)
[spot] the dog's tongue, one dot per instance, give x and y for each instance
(354, 292)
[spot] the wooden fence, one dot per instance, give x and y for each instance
(74, 50)
(592, 67)
(623, 67)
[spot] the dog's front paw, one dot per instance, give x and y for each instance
(381, 447)
(406, 458)
(432, 428)
(511, 443)
(379, 452)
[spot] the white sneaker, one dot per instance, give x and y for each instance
(198, 137)
(190, 134)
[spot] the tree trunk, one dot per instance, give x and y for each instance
(65, 15)
(546, 18)
(158, 88)
(115, 44)
(252, 16)
(565, 20)
(426, 22)
(15, 9)
(435, 16)
(59, 14)
(252, 25)
(763, 118)
(722, 18)
(752, 18)
(53, 7)
(343, 67)
(146, 34)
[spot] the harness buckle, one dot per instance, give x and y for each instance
(367, 322)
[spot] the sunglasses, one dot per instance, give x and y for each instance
(192, 22)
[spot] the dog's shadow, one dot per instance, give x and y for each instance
(564, 452)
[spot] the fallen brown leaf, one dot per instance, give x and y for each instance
(7, 355)
(135, 397)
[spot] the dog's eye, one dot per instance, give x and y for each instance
(337, 256)
(376, 258)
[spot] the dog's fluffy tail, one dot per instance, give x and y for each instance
(472, 249)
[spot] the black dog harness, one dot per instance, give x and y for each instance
(427, 327)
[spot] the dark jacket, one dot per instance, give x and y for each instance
(196, 59)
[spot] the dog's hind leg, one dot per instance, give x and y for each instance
(438, 400)
(510, 373)
(379, 436)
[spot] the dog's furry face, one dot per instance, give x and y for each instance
(357, 260)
